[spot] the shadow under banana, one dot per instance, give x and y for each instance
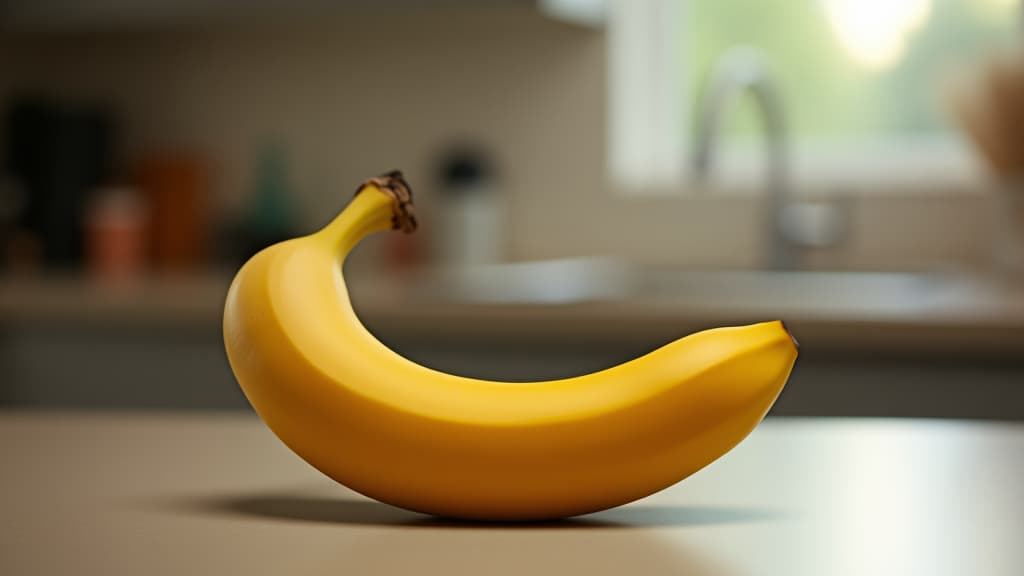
(375, 538)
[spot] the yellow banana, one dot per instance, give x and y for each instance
(459, 447)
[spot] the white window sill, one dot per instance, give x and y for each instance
(907, 167)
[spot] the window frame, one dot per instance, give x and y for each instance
(649, 133)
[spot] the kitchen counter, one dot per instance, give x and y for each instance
(190, 493)
(967, 316)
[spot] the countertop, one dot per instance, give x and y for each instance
(195, 493)
(967, 317)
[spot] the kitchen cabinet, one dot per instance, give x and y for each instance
(32, 15)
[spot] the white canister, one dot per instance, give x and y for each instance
(471, 212)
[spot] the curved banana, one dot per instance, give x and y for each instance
(464, 448)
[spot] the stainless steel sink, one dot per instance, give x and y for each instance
(563, 281)
(601, 279)
(804, 290)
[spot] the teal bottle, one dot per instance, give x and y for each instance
(269, 217)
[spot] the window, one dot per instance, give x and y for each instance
(864, 83)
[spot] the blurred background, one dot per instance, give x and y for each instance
(594, 179)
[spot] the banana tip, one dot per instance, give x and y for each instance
(796, 343)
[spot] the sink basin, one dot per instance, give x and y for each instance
(559, 282)
(562, 281)
(804, 290)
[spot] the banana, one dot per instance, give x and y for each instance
(458, 447)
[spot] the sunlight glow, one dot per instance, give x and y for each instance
(998, 8)
(874, 32)
(1004, 5)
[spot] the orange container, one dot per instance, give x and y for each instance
(115, 232)
(178, 192)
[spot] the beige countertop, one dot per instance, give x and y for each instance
(194, 493)
(966, 317)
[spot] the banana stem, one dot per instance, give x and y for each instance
(380, 203)
(394, 185)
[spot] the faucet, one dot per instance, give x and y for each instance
(744, 69)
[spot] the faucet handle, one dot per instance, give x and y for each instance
(815, 223)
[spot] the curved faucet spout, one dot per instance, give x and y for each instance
(744, 70)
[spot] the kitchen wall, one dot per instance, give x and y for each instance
(359, 92)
